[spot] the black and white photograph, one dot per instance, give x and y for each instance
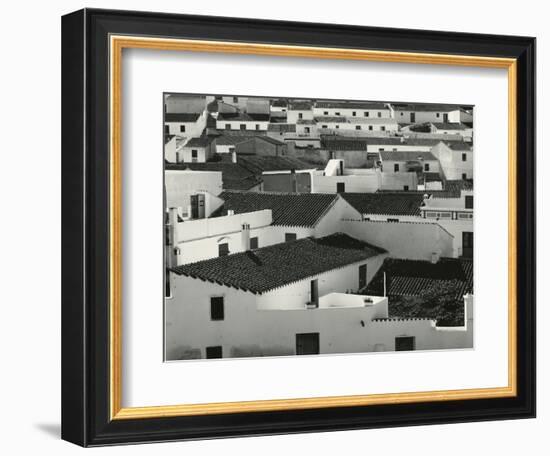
(301, 226)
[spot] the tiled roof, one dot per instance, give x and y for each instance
(431, 177)
(407, 156)
(426, 107)
(372, 120)
(334, 119)
(351, 105)
(282, 127)
(415, 277)
(180, 117)
(267, 268)
(332, 143)
(300, 106)
(386, 203)
(202, 141)
(452, 188)
(449, 126)
(459, 145)
(289, 209)
(231, 140)
(280, 103)
(234, 176)
(271, 140)
(259, 163)
(306, 122)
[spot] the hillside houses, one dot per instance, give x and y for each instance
(305, 226)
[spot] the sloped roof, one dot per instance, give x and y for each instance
(415, 277)
(234, 176)
(426, 107)
(300, 106)
(289, 209)
(449, 126)
(351, 105)
(267, 268)
(242, 116)
(335, 119)
(231, 140)
(180, 117)
(260, 163)
(201, 141)
(282, 127)
(386, 203)
(350, 143)
(459, 145)
(406, 156)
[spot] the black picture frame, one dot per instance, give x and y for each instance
(85, 228)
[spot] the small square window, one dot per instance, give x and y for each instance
(289, 237)
(194, 153)
(367, 114)
(337, 113)
(325, 113)
(354, 113)
(235, 99)
(300, 115)
(469, 202)
(182, 128)
(358, 127)
(257, 126)
(426, 166)
(383, 128)
(396, 167)
(228, 126)
(216, 308)
(379, 114)
(464, 157)
(437, 114)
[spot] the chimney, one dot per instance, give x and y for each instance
(230, 212)
(245, 237)
(435, 257)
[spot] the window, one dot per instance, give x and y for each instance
(362, 276)
(337, 113)
(393, 220)
(358, 127)
(167, 129)
(194, 153)
(324, 126)
(300, 115)
(223, 249)
(307, 129)
(340, 187)
(314, 293)
(370, 127)
(337, 126)
(379, 114)
(228, 126)
(354, 113)
(214, 352)
(469, 201)
(242, 126)
(325, 113)
(257, 126)
(177, 157)
(290, 237)
(426, 166)
(404, 343)
(380, 149)
(383, 128)
(366, 114)
(436, 114)
(235, 99)
(307, 344)
(396, 167)
(216, 308)
(464, 157)
(254, 242)
(182, 128)
(405, 188)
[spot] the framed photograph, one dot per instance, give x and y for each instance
(268, 227)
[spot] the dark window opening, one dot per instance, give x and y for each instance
(167, 129)
(182, 128)
(463, 157)
(216, 308)
(426, 166)
(406, 188)
(214, 352)
(362, 276)
(469, 201)
(340, 187)
(314, 292)
(242, 126)
(254, 242)
(194, 153)
(307, 344)
(290, 237)
(395, 167)
(223, 249)
(404, 343)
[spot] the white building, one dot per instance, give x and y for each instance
(352, 109)
(180, 185)
(188, 125)
(242, 121)
(408, 161)
(418, 113)
(299, 110)
(195, 150)
(456, 215)
(456, 160)
(247, 305)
